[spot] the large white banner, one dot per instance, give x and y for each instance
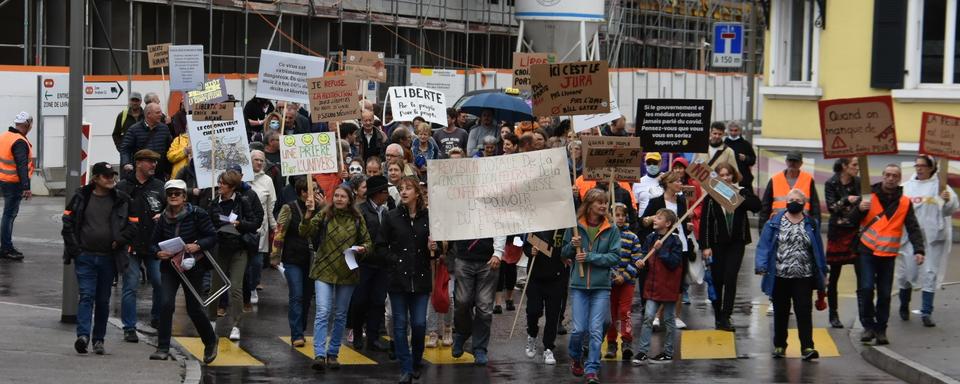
(502, 195)
(283, 76)
(186, 67)
(409, 102)
(585, 122)
(231, 146)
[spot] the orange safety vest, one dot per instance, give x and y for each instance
(8, 167)
(781, 188)
(882, 234)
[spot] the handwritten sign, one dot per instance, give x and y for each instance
(728, 195)
(521, 67)
(410, 102)
(334, 98)
(308, 153)
(213, 112)
(940, 135)
(578, 88)
(186, 67)
(674, 125)
(541, 245)
(500, 195)
(585, 122)
(213, 91)
(607, 156)
(283, 76)
(220, 144)
(857, 127)
(366, 65)
(158, 55)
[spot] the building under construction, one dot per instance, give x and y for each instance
(669, 34)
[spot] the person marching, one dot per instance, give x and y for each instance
(774, 198)
(546, 288)
(662, 285)
(624, 276)
(294, 250)
(934, 210)
(842, 192)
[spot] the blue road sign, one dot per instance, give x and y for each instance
(727, 45)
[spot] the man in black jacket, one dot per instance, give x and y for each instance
(130, 115)
(367, 304)
(746, 157)
(152, 134)
(97, 227)
(372, 140)
(476, 274)
(146, 203)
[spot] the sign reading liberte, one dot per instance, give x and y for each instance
(212, 112)
(410, 102)
(283, 76)
(500, 195)
(521, 66)
(158, 55)
(857, 127)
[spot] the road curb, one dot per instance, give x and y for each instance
(896, 364)
(191, 371)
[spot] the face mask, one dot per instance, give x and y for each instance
(794, 207)
(274, 124)
(732, 137)
(715, 145)
(653, 170)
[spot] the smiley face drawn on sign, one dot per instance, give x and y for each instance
(307, 139)
(323, 139)
(289, 141)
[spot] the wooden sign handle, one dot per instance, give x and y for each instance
(865, 186)
(943, 169)
(283, 118)
(677, 224)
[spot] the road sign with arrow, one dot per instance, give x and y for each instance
(54, 94)
(102, 90)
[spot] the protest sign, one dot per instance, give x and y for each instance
(213, 91)
(410, 102)
(857, 127)
(450, 82)
(728, 195)
(283, 76)
(222, 144)
(585, 122)
(366, 65)
(607, 156)
(158, 55)
(521, 67)
(940, 135)
(502, 195)
(213, 112)
(577, 88)
(186, 67)
(674, 125)
(308, 153)
(334, 98)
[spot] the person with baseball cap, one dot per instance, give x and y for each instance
(130, 115)
(97, 227)
(16, 167)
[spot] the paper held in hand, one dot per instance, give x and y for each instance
(350, 256)
(174, 245)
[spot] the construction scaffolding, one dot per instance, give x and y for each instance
(668, 34)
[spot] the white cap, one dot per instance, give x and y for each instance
(22, 117)
(175, 184)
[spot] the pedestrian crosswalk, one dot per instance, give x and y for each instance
(347, 355)
(229, 354)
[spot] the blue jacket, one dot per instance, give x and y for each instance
(766, 257)
(603, 252)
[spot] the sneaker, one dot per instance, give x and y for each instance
(457, 349)
(592, 378)
(576, 368)
(779, 352)
(98, 347)
(12, 255)
(332, 363)
(510, 306)
(810, 354)
(447, 337)
(626, 353)
(680, 324)
(686, 298)
(319, 363)
(130, 336)
(927, 321)
(299, 343)
(548, 358)
(867, 336)
(254, 297)
(611, 351)
(480, 357)
(531, 349)
(406, 378)
(770, 310)
(662, 358)
(882, 338)
(904, 313)
(81, 344)
(656, 324)
(497, 309)
(640, 359)
(160, 354)
(235, 334)
(432, 340)
(15, 252)
(210, 352)
(835, 321)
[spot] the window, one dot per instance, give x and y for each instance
(931, 57)
(794, 49)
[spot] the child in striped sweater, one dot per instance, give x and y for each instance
(623, 276)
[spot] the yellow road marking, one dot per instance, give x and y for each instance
(707, 344)
(822, 342)
(229, 354)
(347, 355)
(442, 355)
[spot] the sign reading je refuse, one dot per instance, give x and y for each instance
(857, 127)
(940, 135)
(577, 88)
(334, 98)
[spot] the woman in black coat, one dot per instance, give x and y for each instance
(842, 192)
(723, 236)
(406, 231)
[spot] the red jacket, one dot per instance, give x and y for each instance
(663, 269)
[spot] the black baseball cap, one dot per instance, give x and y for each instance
(103, 168)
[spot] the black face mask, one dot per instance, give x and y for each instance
(794, 207)
(716, 145)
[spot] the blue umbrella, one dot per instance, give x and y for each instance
(505, 107)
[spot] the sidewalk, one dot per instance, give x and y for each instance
(917, 354)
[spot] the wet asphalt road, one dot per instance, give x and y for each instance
(37, 281)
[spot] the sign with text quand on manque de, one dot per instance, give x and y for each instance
(857, 127)
(608, 156)
(577, 88)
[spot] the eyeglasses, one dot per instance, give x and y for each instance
(174, 193)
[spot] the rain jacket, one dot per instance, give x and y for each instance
(603, 252)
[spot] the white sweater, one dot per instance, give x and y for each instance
(263, 186)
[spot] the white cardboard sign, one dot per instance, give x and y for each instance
(283, 76)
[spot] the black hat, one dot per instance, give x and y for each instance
(103, 168)
(376, 184)
(794, 156)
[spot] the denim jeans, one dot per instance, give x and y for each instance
(12, 194)
(875, 273)
(410, 307)
(330, 298)
(170, 283)
(94, 281)
(473, 311)
(251, 278)
(589, 310)
(367, 306)
(131, 282)
(299, 294)
(646, 331)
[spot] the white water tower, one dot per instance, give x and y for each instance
(567, 27)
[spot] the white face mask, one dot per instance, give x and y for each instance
(732, 137)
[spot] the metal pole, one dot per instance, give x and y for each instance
(26, 32)
(39, 42)
(68, 307)
(130, 49)
(583, 40)
(751, 70)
